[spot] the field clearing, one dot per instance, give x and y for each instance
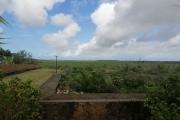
(108, 76)
(38, 76)
(102, 63)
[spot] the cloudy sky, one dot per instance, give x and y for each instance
(94, 29)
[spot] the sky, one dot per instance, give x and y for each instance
(93, 29)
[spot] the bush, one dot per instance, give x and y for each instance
(17, 68)
(1, 75)
(88, 80)
(163, 99)
(18, 100)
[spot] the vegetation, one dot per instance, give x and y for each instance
(22, 57)
(16, 58)
(163, 99)
(4, 55)
(88, 80)
(5, 52)
(8, 69)
(160, 81)
(113, 76)
(38, 77)
(2, 21)
(18, 100)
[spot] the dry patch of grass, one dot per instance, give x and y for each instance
(17, 68)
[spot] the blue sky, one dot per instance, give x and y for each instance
(93, 29)
(30, 38)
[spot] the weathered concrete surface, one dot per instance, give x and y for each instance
(90, 106)
(49, 87)
(95, 97)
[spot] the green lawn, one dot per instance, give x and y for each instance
(38, 76)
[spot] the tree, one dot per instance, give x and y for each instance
(8, 59)
(6, 56)
(5, 52)
(18, 100)
(22, 57)
(163, 99)
(3, 21)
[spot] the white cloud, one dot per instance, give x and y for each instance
(102, 18)
(173, 42)
(62, 19)
(121, 27)
(62, 38)
(125, 29)
(29, 12)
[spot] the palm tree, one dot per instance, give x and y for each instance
(2, 21)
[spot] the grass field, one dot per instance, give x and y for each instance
(38, 76)
(112, 76)
(103, 76)
(102, 63)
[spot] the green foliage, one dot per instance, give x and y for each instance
(8, 59)
(3, 21)
(5, 56)
(18, 100)
(5, 52)
(163, 99)
(22, 57)
(88, 80)
(17, 58)
(114, 76)
(1, 76)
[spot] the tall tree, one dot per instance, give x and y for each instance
(2, 21)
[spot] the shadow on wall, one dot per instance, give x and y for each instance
(95, 111)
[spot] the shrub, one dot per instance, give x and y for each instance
(18, 100)
(1, 75)
(163, 99)
(88, 80)
(16, 68)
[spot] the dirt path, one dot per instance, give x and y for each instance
(49, 87)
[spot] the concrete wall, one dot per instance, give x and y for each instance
(95, 111)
